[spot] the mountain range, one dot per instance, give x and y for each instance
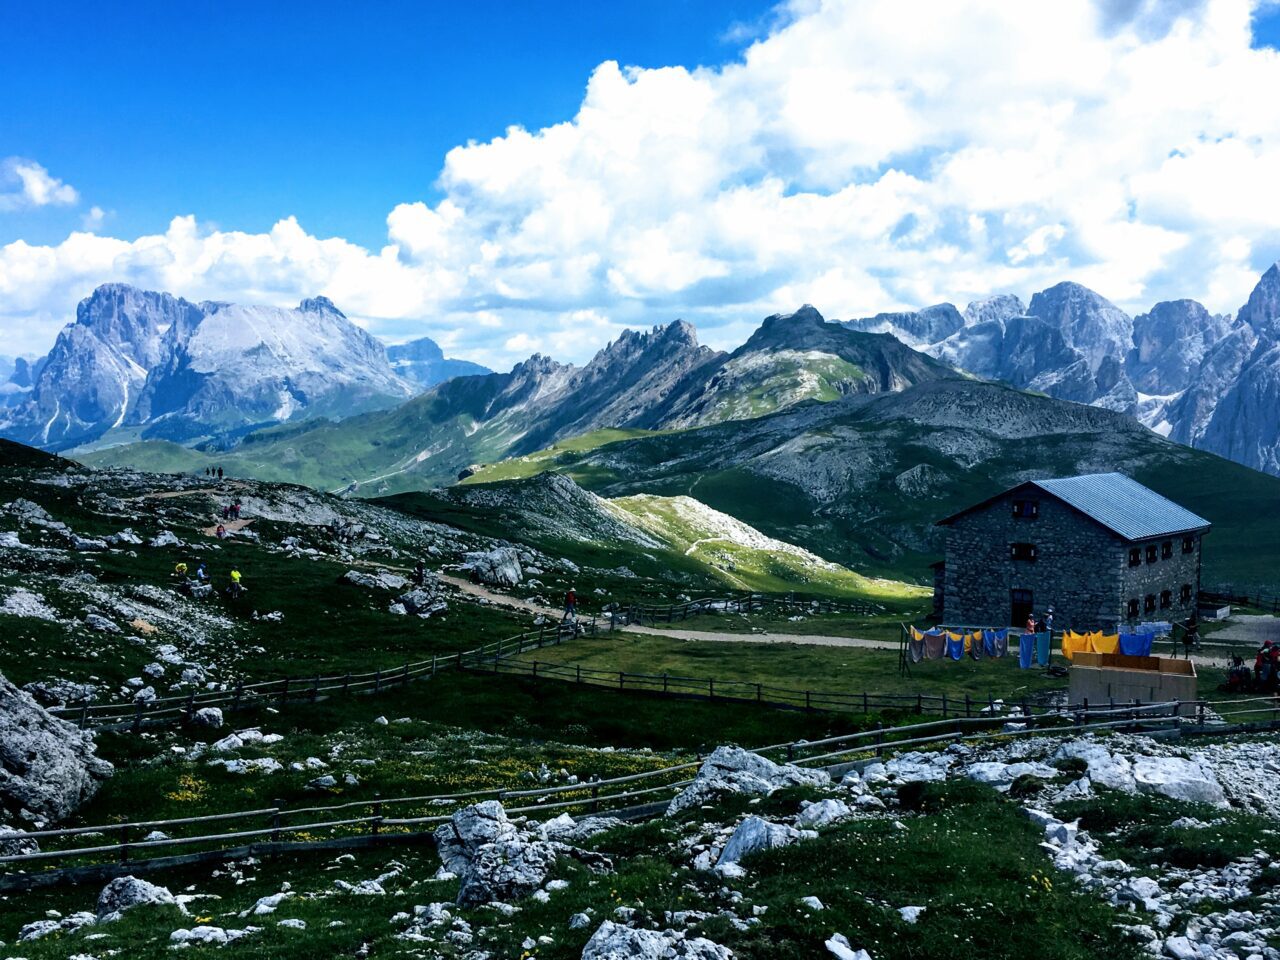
(1209, 381)
(660, 380)
(139, 364)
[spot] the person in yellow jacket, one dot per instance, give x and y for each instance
(180, 570)
(236, 588)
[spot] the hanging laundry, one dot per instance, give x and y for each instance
(1104, 643)
(1136, 644)
(1026, 650)
(915, 650)
(1043, 641)
(955, 646)
(935, 645)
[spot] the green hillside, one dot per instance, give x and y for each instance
(863, 481)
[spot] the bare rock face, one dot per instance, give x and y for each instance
(47, 766)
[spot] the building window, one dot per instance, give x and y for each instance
(1133, 608)
(1135, 557)
(1166, 599)
(1186, 593)
(1026, 509)
(1151, 553)
(1188, 544)
(1166, 549)
(1022, 551)
(1149, 604)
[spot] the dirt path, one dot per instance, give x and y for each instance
(231, 526)
(173, 494)
(803, 639)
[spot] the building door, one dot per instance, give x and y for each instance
(1020, 607)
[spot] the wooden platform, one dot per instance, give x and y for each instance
(1101, 678)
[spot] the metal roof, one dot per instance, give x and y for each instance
(1123, 505)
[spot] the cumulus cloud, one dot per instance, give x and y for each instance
(24, 183)
(862, 155)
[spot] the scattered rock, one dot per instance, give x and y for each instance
(498, 567)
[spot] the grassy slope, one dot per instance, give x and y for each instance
(516, 468)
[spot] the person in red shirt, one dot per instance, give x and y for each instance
(570, 605)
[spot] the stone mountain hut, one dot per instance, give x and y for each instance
(1101, 549)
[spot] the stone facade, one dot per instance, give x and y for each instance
(1080, 568)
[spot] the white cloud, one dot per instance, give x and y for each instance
(24, 183)
(863, 155)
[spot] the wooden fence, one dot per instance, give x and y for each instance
(744, 691)
(294, 690)
(1256, 600)
(742, 603)
(410, 819)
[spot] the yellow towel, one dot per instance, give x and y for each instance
(1073, 643)
(916, 634)
(1105, 644)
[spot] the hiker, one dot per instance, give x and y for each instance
(1048, 622)
(1031, 623)
(202, 573)
(219, 473)
(226, 511)
(236, 588)
(1262, 666)
(180, 570)
(419, 574)
(235, 510)
(1275, 666)
(1190, 636)
(221, 532)
(570, 605)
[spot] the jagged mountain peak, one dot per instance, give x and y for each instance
(998, 307)
(1262, 310)
(319, 305)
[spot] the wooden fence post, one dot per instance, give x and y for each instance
(284, 692)
(967, 707)
(711, 688)
(191, 705)
(406, 672)
(235, 703)
(433, 664)
(137, 716)
(621, 678)
(376, 823)
(315, 689)
(578, 678)
(84, 714)
(275, 823)
(944, 706)
(124, 843)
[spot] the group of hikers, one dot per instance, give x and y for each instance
(231, 511)
(1041, 625)
(182, 573)
(213, 472)
(1265, 675)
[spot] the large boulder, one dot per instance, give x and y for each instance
(734, 770)
(1104, 768)
(495, 860)
(499, 567)
(613, 941)
(377, 580)
(125, 893)
(1180, 779)
(754, 834)
(47, 766)
(423, 601)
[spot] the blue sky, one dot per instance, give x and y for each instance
(331, 111)
(518, 177)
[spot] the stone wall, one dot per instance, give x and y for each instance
(1150, 579)
(1077, 570)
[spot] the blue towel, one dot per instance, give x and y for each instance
(955, 649)
(1042, 648)
(1136, 644)
(989, 642)
(1026, 650)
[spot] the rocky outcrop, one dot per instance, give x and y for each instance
(755, 834)
(730, 770)
(497, 861)
(917, 327)
(47, 766)
(613, 941)
(422, 362)
(1169, 344)
(499, 567)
